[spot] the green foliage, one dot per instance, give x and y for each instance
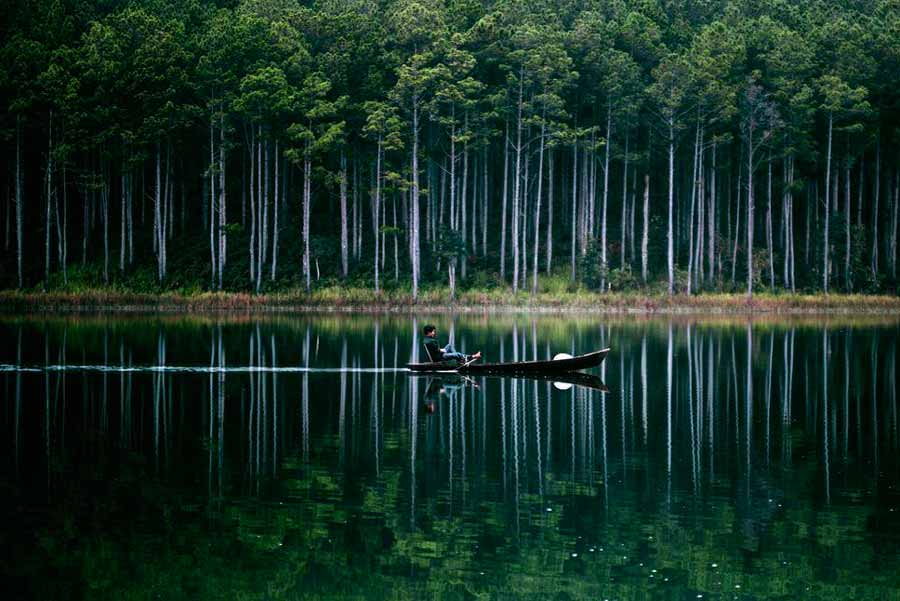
(336, 79)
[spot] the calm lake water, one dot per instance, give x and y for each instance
(294, 458)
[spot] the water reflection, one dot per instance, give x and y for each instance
(760, 449)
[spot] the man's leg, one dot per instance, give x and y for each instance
(450, 353)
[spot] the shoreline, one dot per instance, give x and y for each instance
(356, 300)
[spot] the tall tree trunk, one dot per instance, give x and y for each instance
(485, 191)
(750, 153)
(789, 222)
(86, 226)
(737, 218)
(157, 214)
(358, 203)
(711, 218)
(524, 212)
(267, 180)
(503, 216)
(376, 212)
(49, 198)
(454, 208)
(223, 206)
(414, 213)
(604, 262)
(848, 280)
(253, 225)
(344, 245)
(463, 200)
(63, 235)
(574, 215)
(825, 249)
(624, 233)
(645, 235)
(549, 209)
(123, 231)
(671, 236)
(517, 185)
(690, 277)
(632, 204)
(213, 222)
(8, 214)
(307, 174)
(276, 209)
(537, 211)
(396, 244)
(769, 225)
(875, 207)
(894, 225)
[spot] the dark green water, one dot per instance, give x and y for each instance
(727, 460)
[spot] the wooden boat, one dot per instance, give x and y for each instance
(550, 366)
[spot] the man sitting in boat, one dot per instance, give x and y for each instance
(446, 353)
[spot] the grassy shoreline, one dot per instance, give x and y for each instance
(337, 299)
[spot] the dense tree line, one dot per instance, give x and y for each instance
(256, 144)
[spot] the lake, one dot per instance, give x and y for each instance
(293, 457)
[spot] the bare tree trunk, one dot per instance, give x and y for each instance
(223, 240)
(473, 221)
(769, 225)
(252, 204)
(454, 209)
(358, 203)
(503, 216)
(63, 236)
(212, 203)
(537, 212)
(517, 185)
(848, 280)
(711, 218)
(396, 244)
(789, 222)
(264, 251)
(463, 200)
(86, 226)
(624, 232)
(574, 215)
(524, 212)
(8, 213)
(690, 278)
(549, 209)
(307, 174)
(604, 263)
(414, 229)
(859, 190)
(276, 209)
(157, 214)
(632, 209)
(123, 234)
(750, 152)
(484, 202)
(825, 252)
(875, 207)
(645, 236)
(671, 236)
(49, 198)
(737, 218)
(344, 245)
(894, 225)
(376, 212)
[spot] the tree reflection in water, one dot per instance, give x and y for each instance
(190, 457)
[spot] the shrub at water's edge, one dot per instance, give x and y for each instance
(336, 297)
